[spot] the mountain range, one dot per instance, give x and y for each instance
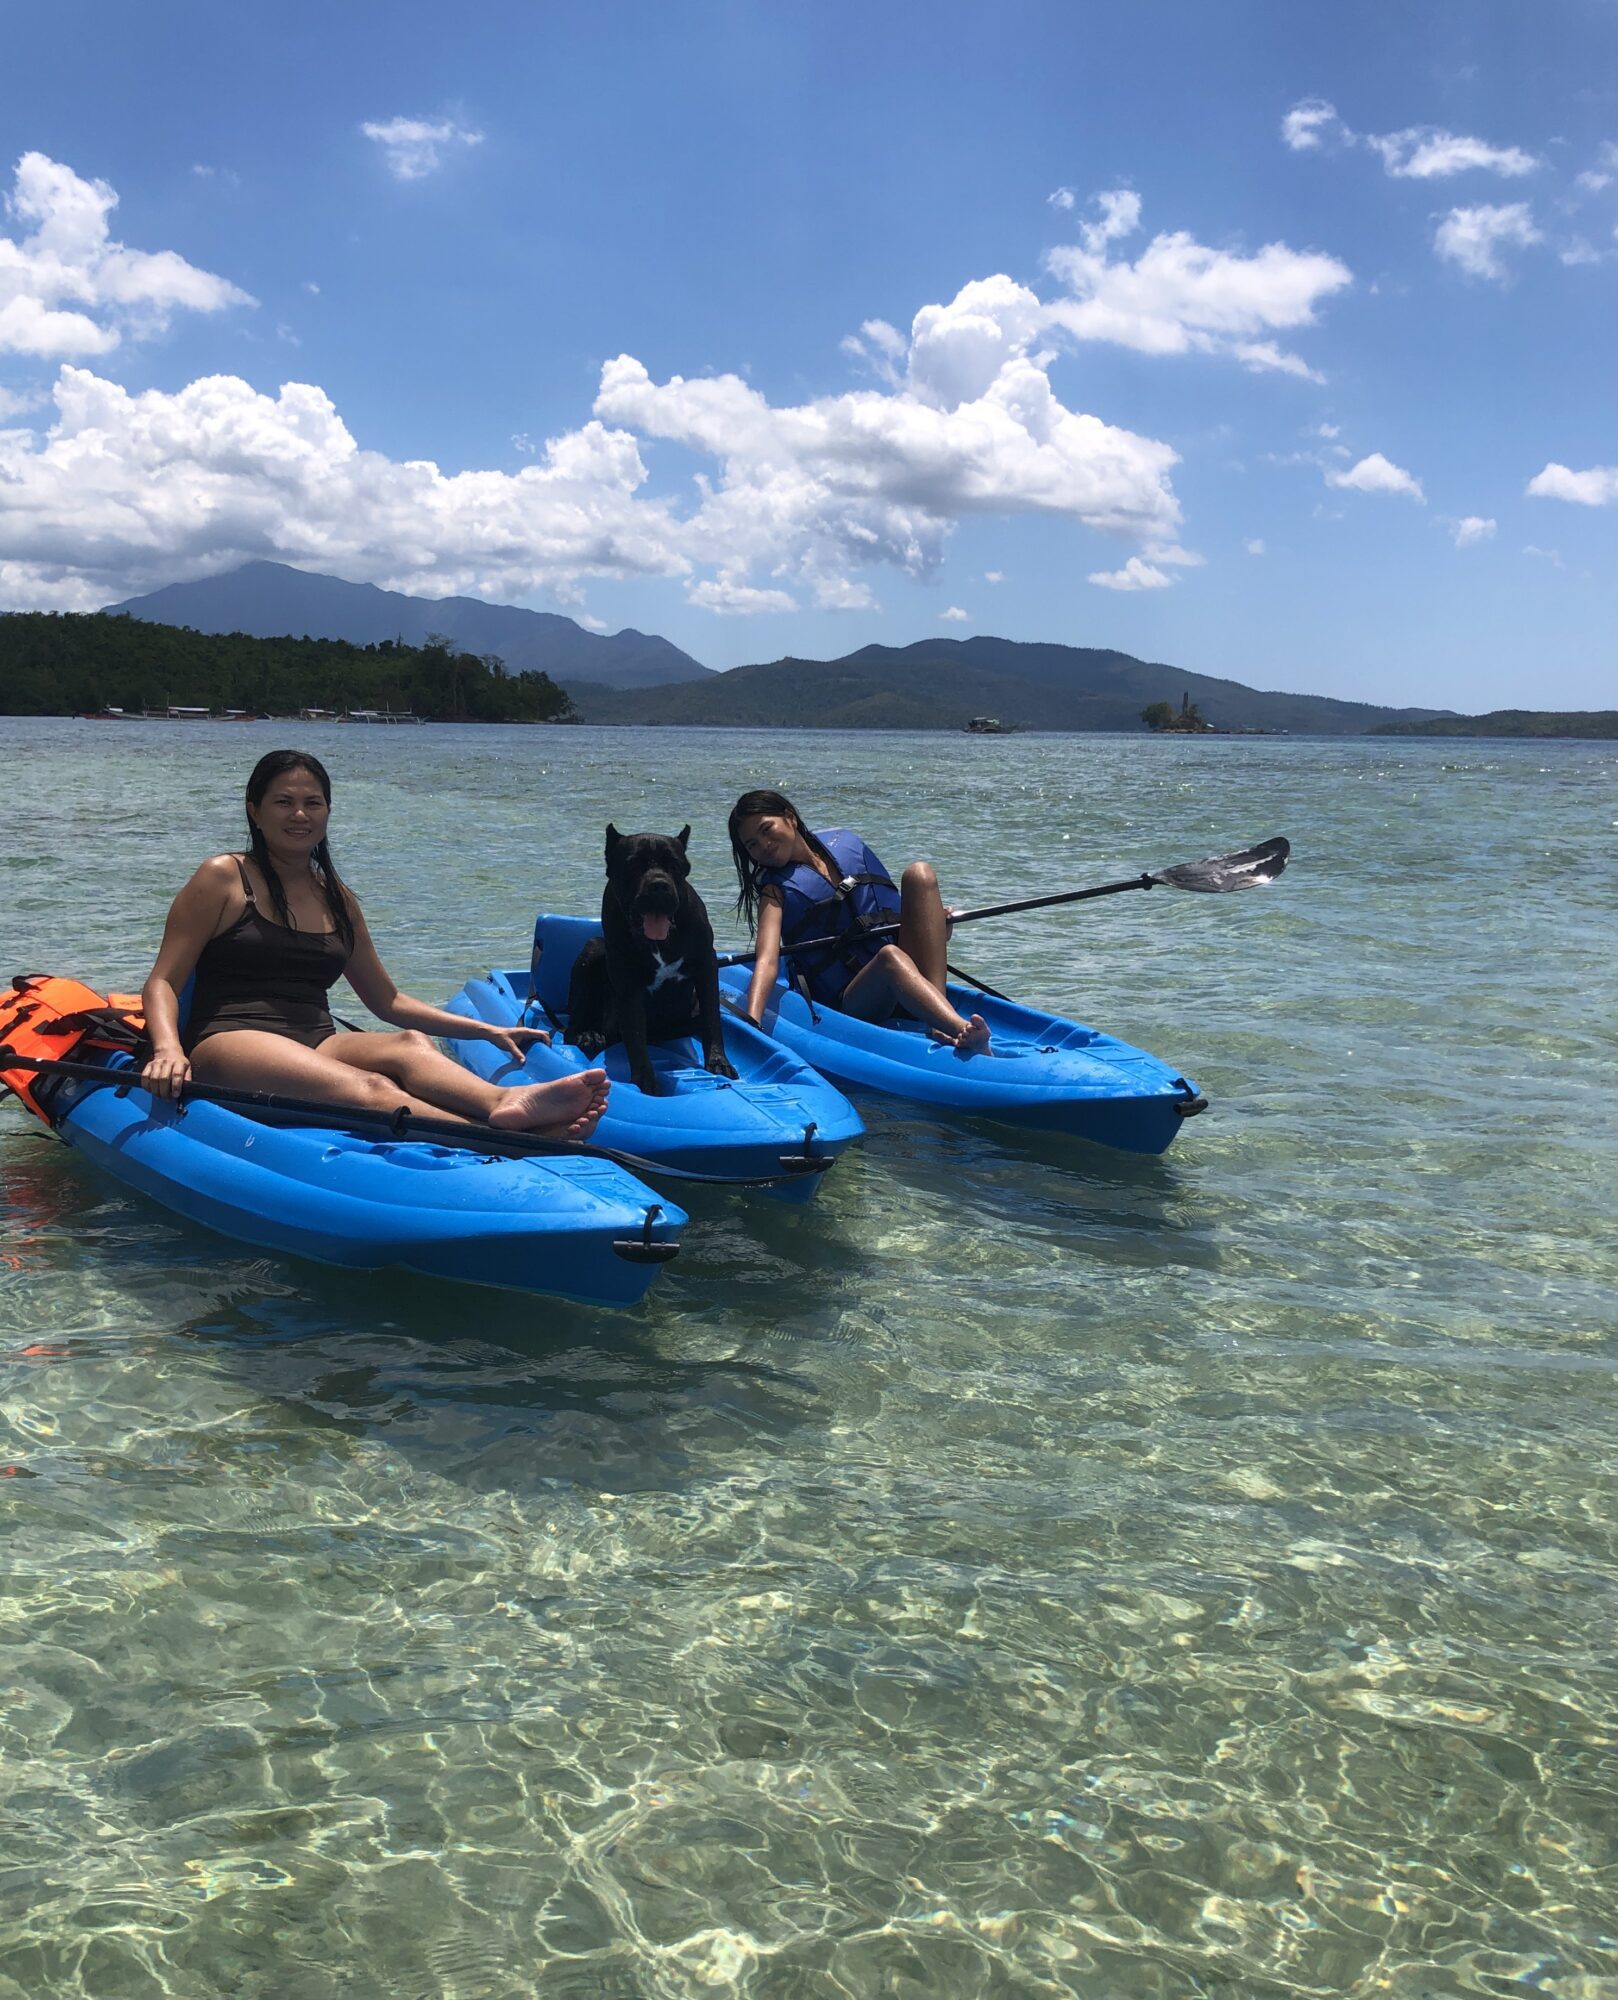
(269, 600)
(636, 677)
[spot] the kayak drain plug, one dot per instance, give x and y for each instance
(643, 1250)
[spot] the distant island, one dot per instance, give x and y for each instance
(1587, 725)
(66, 663)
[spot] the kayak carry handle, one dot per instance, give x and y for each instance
(1192, 1102)
(808, 1161)
(642, 1249)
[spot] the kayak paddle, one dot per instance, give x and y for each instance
(407, 1124)
(1250, 868)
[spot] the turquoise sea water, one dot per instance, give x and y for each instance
(1026, 1570)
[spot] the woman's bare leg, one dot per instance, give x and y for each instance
(249, 1059)
(923, 928)
(892, 979)
(564, 1107)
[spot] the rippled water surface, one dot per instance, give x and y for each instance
(1026, 1570)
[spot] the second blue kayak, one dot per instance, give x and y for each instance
(1042, 1073)
(699, 1122)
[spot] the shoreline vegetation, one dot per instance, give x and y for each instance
(1585, 725)
(114, 666)
(99, 664)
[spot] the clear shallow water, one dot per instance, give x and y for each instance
(1027, 1570)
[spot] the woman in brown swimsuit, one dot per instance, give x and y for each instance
(268, 934)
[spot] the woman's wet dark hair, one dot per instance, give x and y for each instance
(275, 764)
(749, 806)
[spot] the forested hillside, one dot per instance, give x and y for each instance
(60, 663)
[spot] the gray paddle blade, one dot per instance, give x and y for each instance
(1249, 869)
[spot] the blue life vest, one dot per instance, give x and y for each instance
(812, 907)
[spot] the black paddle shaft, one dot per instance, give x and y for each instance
(409, 1125)
(1250, 868)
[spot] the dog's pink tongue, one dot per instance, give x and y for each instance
(654, 928)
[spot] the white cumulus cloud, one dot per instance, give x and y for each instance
(956, 616)
(415, 147)
(1376, 474)
(1309, 123)
(66, 288)
(1180, 296)
(870, 478)
(1471, 529)
(128, 491)
(1595, 487)
(1135, 575)
(733, 598)
(1120, 216)
(994, 576)
(1427, 152)
(1256, 546)
(1418, 153)
(792, 503)
(1474, 237)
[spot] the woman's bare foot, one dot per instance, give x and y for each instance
(973, 1040)
(568, 1107)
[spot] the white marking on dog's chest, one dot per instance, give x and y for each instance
(672, 969)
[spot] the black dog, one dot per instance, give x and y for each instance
(652, 975)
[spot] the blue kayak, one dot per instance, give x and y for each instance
(571, 1227)
(701, 1123)
(1041, 1073)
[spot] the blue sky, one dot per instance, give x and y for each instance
(1276, 341)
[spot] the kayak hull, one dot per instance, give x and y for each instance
(1043, 1073)
(699, 1123)
(538, 1225)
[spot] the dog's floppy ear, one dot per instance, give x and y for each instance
(615, 840)
(684, 838)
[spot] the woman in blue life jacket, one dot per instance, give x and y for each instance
(797, 885)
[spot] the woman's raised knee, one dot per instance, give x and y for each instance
(412, 1042)
(920, 875)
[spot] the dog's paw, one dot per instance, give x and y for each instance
(719, 1064)
(650, 1082)
(588, 1044)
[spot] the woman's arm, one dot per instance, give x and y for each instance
(194, 917)
(374, 984)
(766, 954)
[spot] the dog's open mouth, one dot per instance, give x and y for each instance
(654, 926)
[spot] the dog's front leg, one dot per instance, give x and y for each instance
(632, 1024)
(711, 1023)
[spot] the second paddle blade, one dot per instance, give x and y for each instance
(1249, 869)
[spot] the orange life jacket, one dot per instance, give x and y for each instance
(41, 1015)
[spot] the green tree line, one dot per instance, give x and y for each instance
(62, 663)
